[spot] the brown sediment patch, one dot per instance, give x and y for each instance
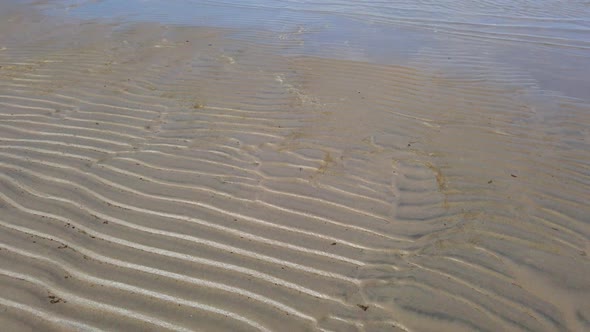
(326, 163)
(441, 181)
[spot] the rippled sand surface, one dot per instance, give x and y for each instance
(294, 166)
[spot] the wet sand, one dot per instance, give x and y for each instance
(159, 177)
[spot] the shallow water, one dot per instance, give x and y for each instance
(546, 40)
(295, 165)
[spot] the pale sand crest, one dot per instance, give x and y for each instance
(157, 178)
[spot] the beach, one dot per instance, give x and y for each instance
(294, 166)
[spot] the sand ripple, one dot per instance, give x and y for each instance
(158, 178)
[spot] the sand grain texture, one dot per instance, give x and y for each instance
(172, 178)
